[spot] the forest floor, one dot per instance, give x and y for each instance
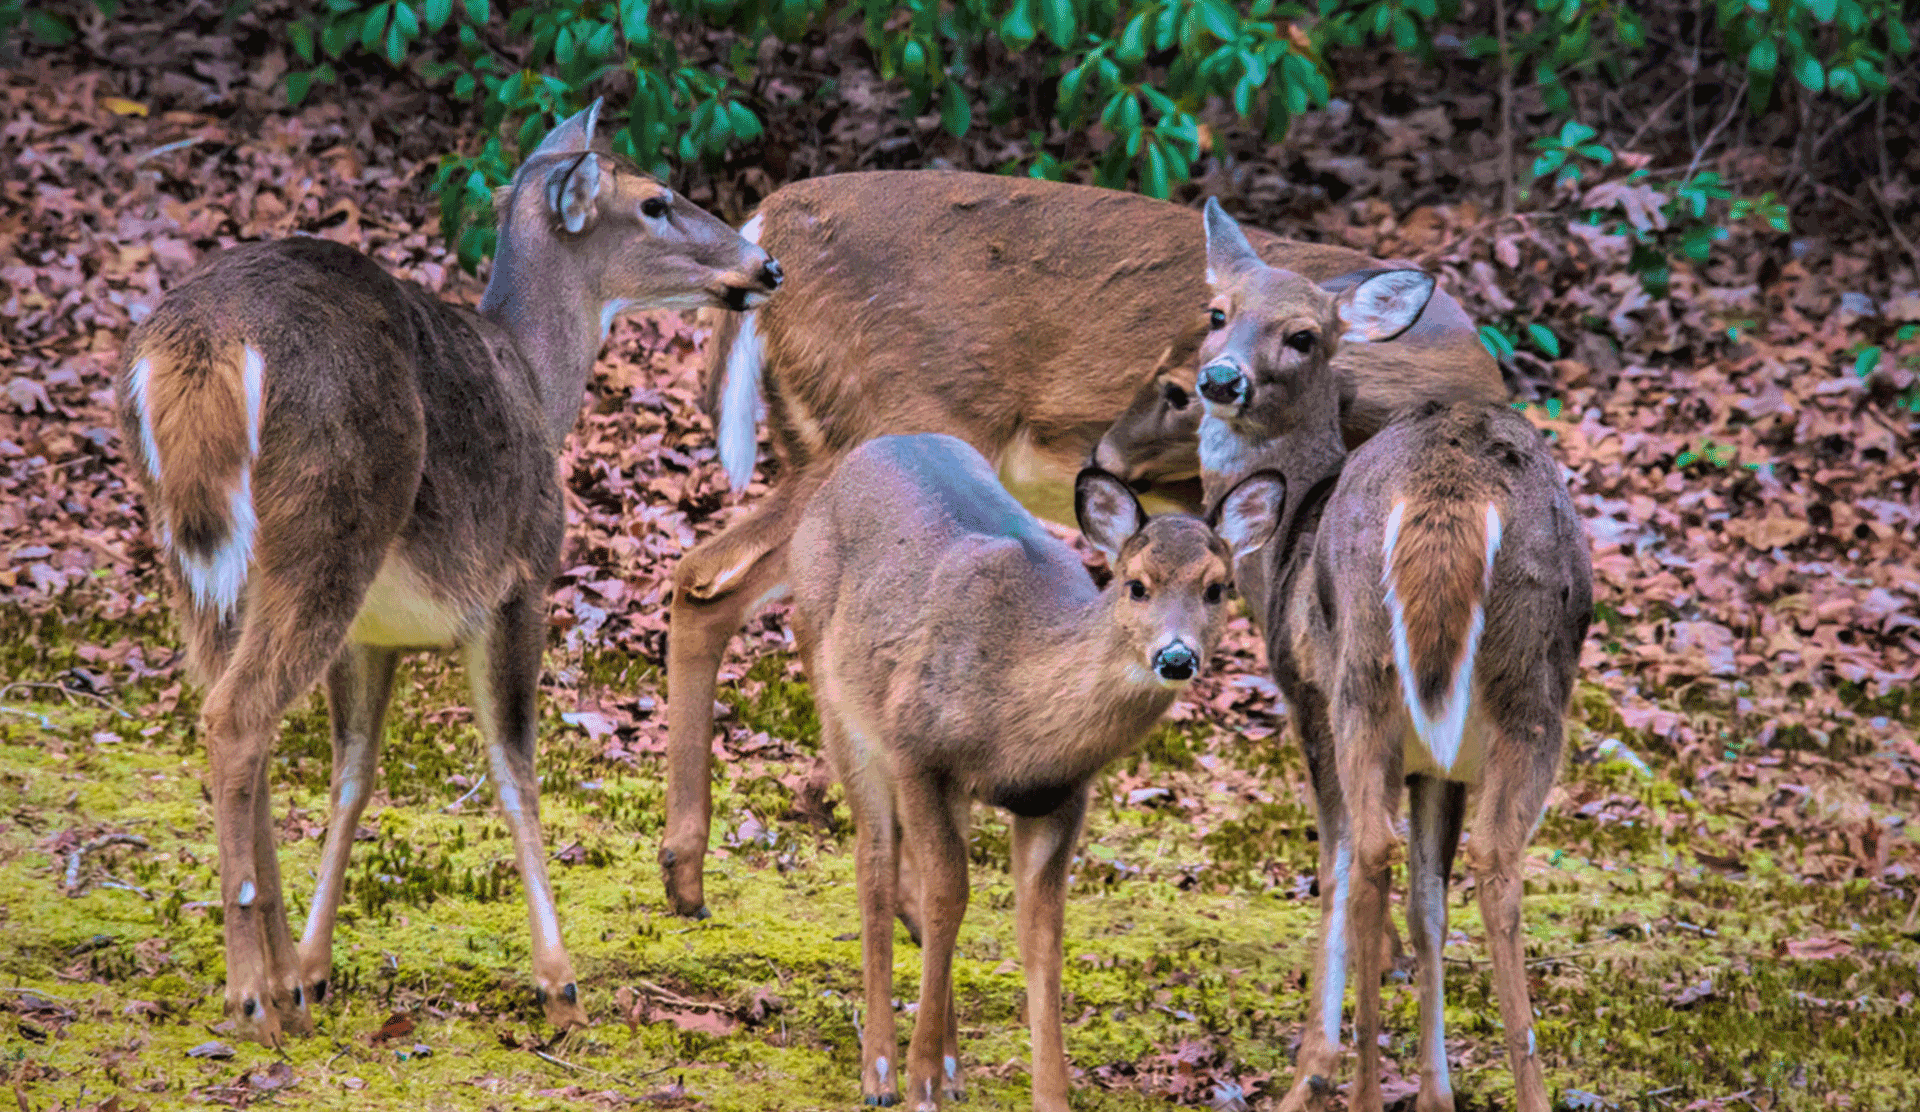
(1722, 901)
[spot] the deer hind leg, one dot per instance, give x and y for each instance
(1042, 854)
(284, 645)
(1435, 809)
(906, 887)
(1520, 770)
(716, 588)
(1370, 761)
(1317, 1065)
(503, 671)
(358, 687)
(937, 824)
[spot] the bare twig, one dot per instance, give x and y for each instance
(477, 785)
(45, 722)
(668, 996)
(69, 692)
(1700, 152)
(1634, 139)
(95, 845)
(1506, 108)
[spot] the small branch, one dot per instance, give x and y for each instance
(102, 842)
(1506, 108)
(1700, 152)
(477, 785)
(1658, 109)
(45, 722)
(63, 689)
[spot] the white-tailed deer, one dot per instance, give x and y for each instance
(959, 652)
(1424, 612)
(340, 467)
(1021, 316)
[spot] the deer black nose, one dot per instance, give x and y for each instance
(1222, 384)
(771, 275)
(1175, 663)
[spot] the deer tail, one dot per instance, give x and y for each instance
(192, 404)
(732, 383)
(1437, 572)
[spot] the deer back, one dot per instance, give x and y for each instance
(1021, 316)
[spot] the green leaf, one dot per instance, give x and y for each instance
(1067, 99)
(633, 20)
(1548, 162)
(437, 13)
(956, 113)
(1219, 19)
(298, 82)
(1822, 10)
(49, 28)
(744, 124)
(1016, 29)
(1573, 133)
(408, 22)
(1844, 84)
(1544, 339)
(396, 44)
(375, 28)
(477, 13)
(1056, 19)
(1496, 342)
(301, 35)
(1810, 73)
(1764, 58)
(1133, 41)
(1153, 176)
(1866, 361)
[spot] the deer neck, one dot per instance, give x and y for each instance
(1095, 697)
(553, 317)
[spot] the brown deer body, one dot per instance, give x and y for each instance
(960, 653)
(339, 468)
(1021, 316)
(1423, 614)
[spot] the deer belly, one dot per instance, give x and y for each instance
(401, 611)
(1041, 478)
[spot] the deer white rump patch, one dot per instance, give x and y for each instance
(216, 580)
(1441, 735)
(137, 382)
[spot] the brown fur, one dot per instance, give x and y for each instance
(959, 653)
(1328, 623)
(403, 442)
(1021, 316)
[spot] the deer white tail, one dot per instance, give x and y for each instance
(199, 437)
(1437, 578)
(739, 403)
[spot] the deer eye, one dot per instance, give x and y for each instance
(1136, 590)
(1214, 593)
(1176, 397)
(1302, 341)
(654, 207)
(1217, 319)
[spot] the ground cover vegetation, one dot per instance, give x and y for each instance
(1688, 230)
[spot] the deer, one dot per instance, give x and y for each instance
(960, 653)
(341, 468)
(1423, 612)
(1021, 316)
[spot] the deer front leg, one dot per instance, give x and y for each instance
(1042, 855)
(1316, 1068)
(358, 688)
(1520, 771)
(503, 672)
(716, 588)
(937, 824)
(875, 856)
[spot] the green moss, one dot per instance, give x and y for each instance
(1174, 937)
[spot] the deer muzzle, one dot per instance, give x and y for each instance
(1223, 383)
(1176, 663)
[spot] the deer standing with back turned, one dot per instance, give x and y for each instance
(1424, 612)
(340, 468)
(1021, 316)
(959, 652)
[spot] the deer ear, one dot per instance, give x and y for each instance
(1385, 304)
(572, 188)
(1108, 512)
(575, 133)
(1228, 251)
(1249, 513)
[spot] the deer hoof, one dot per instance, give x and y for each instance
(881, 1100)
